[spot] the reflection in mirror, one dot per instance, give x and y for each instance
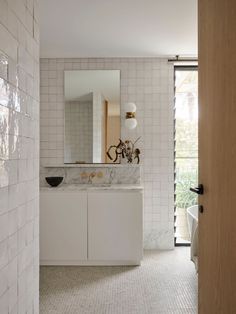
(92, 115)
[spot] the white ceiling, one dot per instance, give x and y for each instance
(118, 28)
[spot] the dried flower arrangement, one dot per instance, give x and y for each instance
(125, 149)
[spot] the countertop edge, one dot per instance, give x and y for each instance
(75, 188)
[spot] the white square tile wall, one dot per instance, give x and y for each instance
(19, 156)
(78, 131)
(148, 82)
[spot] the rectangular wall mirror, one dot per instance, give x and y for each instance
(92, 115)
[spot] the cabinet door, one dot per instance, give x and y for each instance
(115, 226)
(63, 227)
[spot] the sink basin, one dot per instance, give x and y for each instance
(54, 181)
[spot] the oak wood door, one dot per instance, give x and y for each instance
(217, 156)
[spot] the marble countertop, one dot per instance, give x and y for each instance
(93, 187)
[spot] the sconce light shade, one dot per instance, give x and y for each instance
(130, 107)
(131, 123)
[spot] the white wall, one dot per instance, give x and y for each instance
(19, 156)
(149, 83)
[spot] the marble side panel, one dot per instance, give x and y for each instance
(100, 175)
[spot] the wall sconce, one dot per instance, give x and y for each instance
(130, 120)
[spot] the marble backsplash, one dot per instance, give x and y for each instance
(130, 174)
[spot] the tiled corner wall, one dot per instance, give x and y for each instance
(19, 156)
(148, 82)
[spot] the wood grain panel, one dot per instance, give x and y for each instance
(217, 156)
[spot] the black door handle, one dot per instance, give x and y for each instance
(198, 190)
(201, 209)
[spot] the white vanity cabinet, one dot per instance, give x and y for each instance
(115, 226)
(91, 227)
(63, 227)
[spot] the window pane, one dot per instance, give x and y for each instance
(186, 146)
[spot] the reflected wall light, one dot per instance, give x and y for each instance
(130, 120)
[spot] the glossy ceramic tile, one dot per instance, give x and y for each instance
(19, 151)
(3, 66)
(4, 93)
(10, 44)
(3, 253)
(4, 175)
(3, 200)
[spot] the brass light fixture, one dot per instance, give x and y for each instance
(130, 119)
(130, 115)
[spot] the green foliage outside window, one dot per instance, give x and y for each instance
(186, 162)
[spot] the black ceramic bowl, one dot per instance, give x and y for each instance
(54, 181)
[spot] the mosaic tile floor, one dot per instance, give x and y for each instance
(166, 282)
